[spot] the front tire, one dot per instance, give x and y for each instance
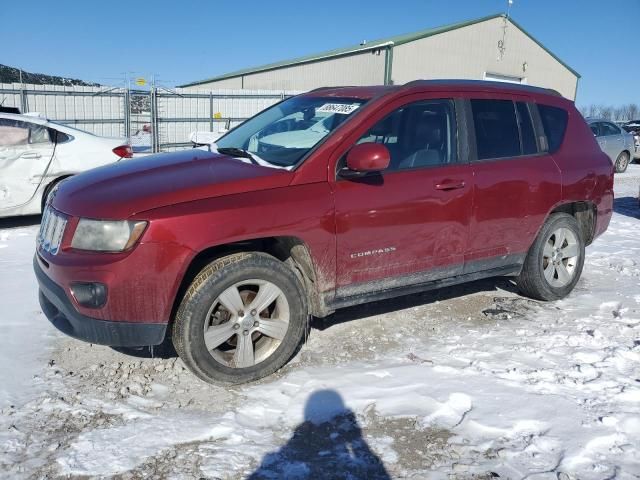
(243, 317)
(622, 162)
(554, 262)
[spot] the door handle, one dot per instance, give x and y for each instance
(30, 155)
(450, 185)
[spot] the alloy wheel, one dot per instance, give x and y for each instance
(246, 323)
(560, 257)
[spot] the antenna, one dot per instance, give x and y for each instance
(505, 24)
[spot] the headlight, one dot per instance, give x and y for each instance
(107, 236)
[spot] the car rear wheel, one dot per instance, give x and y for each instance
(554, 262)
(243, 317)
(622, 162)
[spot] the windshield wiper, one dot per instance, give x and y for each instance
(237, 152)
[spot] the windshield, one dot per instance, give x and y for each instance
(283, 134)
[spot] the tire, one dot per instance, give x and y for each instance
(622, 162)
(46, 192)
(240, 346)
(543, 275)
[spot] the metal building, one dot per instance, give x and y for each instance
(491, 48)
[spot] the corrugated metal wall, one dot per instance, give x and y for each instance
(72, 105)
(359, 69)
(183, 111)
(102, 110)
(472, 51)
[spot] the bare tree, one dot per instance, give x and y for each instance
(633, 111)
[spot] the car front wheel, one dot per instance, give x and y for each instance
(554, 262)
(243, 317)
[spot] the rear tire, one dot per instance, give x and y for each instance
(622, 162)
(554, 262)
(243, 317)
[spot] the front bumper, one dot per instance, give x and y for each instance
(58, 308)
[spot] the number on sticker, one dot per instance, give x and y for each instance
(341, 108)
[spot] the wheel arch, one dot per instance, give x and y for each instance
(584, 211)
(288, 249)
(49, 186)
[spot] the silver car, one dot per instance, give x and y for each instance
(614, 141)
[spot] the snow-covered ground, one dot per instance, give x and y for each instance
(470, 382)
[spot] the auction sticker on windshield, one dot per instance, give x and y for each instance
(338, 108)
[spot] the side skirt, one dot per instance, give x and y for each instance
(372, 296)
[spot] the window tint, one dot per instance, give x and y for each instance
(554, 122)
(594, 128)
(528, 136)
(417, 135)
(609, 129)
(496, 128)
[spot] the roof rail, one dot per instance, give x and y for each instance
(480, 83)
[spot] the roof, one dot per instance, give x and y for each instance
(374, 45)
(367, 92)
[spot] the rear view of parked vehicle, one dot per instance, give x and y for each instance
(633, 127)
(616, 142)
(36, 153)
(330, 199)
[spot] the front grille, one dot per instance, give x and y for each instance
(51, 231)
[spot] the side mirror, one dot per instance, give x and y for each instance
(364, 159)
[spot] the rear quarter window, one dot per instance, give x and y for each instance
(554, 121)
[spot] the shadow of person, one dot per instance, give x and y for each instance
(327, 445)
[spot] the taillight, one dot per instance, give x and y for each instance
(123, 151)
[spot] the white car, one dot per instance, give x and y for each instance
(36, 153)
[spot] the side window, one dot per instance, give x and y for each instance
(417, 135)
(527, 134)
(595, 129)
(496, 128)
(39, 134)
(13, 133)
(554, 121)
(609, 129)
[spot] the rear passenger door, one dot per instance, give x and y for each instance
(516, 180)
(25, 151)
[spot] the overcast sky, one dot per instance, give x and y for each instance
(182, 41)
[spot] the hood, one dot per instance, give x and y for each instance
(120, 190)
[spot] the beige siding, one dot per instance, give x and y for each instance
(235, 82)
(357, 69)
(472, 51)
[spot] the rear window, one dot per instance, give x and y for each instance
(554, 122)
(496, 128)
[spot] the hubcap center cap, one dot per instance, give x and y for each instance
(247, 321)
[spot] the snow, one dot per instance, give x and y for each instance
(483, 382)
(25, 333)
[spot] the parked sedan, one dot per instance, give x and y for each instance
(36, 153)
(614, 141)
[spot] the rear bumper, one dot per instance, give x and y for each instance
(62, 314)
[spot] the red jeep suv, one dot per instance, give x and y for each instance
(336, 197)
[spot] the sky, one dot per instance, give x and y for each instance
(189, 40)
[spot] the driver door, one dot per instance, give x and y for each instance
(25, 152)
(408, 224)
